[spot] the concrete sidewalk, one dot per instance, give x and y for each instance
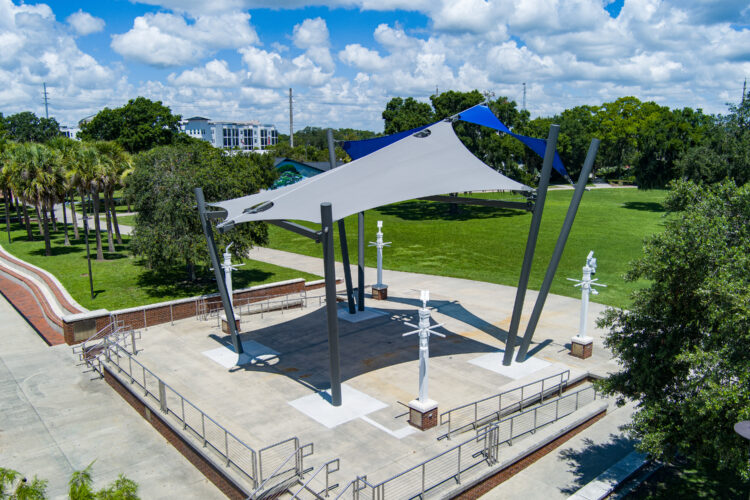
(55, 420)
(570, 467)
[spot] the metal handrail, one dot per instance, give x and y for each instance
(354, 483)
(253, 454)
(563, 376)
(259, 489)
(109, 326)
(489, 453)
(328, 488)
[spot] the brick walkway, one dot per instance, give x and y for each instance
(26, 304)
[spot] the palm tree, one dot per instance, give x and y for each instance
(68, 149)
(14, 485)
(5, 161)
(18, 178)
(88, 177)
(43, 181)
(107, 154)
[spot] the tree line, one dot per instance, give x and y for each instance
(136, 150)
(41, 175)
(642, 142)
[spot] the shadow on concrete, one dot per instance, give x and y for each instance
(455, 310)
(593, 460)
(302, 344)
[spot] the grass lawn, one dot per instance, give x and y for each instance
(122, 281)
(487, 244)
(126, 220)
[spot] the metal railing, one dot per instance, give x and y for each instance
(230, 450)
(329, 468)
(260, 305)
(357, 489)
(480, 412)
(442, 472)
(114, 332)
(281, 475)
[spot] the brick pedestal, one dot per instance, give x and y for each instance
(380, 292)
(423, 416)
(581, 347)
(225, 324)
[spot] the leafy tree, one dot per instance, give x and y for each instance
(138, 126)
(683, 345)
(723, 152)
(14, 486)
(406, 114)
(27, 127)
(167, 229)
(577, 129)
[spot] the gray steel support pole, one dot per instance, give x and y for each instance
(342, 231)
(361, 261)
(218, 272)
(347, 269)
(536, 220)
(326, 218)
(588, 164)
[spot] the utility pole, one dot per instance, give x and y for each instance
(744, 87)
(291, 121)
(524, 96)
(46, 107)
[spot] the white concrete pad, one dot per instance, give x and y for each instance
(398, 433)
(354, 404)
(494, 362)
(368, 313)
(254, 353)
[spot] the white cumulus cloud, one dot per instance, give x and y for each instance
(312, 36)
(165, 39)
(84, 23)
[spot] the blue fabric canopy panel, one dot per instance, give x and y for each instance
(479, 114)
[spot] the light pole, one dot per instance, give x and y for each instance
(581, 345)
(228, 268)
(423, 410)
(379, 290)
(88, 253)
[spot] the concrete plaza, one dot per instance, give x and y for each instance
(54, 420)
(279, 393)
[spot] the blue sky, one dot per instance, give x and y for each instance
(235, 59)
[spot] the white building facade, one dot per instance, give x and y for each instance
(70, 132)
(238, 136)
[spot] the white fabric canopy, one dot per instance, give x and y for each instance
(430, 162)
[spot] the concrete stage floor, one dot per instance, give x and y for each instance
(278, 394)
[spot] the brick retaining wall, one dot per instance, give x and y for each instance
(201, 462)
(79, 327)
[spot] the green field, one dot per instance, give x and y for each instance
(487, 244)
(122, 281)
(126, 220)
